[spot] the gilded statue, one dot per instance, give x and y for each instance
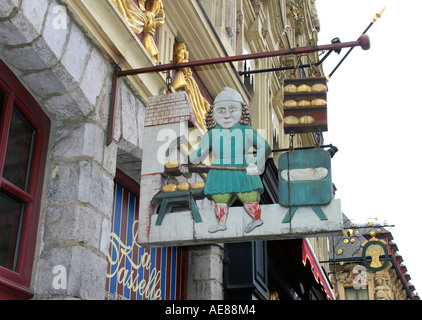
(143, 18)
(184, 80)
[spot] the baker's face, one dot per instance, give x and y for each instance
(227, 114)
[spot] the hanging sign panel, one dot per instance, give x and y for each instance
(233, 184)
(305, 105)
(305, 180)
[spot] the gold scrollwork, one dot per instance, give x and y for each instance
(143, 18)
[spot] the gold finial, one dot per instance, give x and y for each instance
(378, 15)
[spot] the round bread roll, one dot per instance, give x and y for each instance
(290, 88)
(172, 164)
(198, 185)
(291, 120)
(304, 103)
(319, 102)
(183, 186)
(306, 120)
(319, 87)
(169, 188)
(304, 88)
(290, 103)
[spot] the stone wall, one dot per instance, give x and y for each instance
(71, 80)
(205, 277)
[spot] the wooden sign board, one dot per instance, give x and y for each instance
(306, 208)
(305, 105)
(180, 228)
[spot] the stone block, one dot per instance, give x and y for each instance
(207, 290)
(69, 105)
(106, 228)
(86, 276)
(28, 22)
(34, 13)
(73, 223)
(93, 79)
(84, 269)
(7, 7)
(78, 140)
(10, 35)
(76, 53)
(207, 266)
(43, 83)
(84, 182)
(28, 60)
(129, 126)
(141, 113)
(110, 158)
(53, 40)
(102, 109)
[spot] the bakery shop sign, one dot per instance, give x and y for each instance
(233, 176)
(305, 105)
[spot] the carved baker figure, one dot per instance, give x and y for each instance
(235, 170)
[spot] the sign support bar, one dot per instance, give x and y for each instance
(362, 42)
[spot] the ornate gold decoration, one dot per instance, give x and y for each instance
(348, 233)
(145, 18)
(375, 252)
(375, 248)
(184, 81)
(273, 295)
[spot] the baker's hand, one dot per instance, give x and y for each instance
(253, 169)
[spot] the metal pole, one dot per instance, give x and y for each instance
(363, 42)
(113, 105)
(242, 73)
(378, 15)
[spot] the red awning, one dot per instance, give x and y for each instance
(308, 254)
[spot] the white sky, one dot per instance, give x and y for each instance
(375, 116)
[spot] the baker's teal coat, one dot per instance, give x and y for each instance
(230, 148)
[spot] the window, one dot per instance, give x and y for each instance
(24, 131)
(356, 294)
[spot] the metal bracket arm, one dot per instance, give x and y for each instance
(363, 42)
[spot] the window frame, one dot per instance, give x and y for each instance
(16, 284)
(356, 293)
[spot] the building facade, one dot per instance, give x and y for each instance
(71, 166)
(361, 273)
